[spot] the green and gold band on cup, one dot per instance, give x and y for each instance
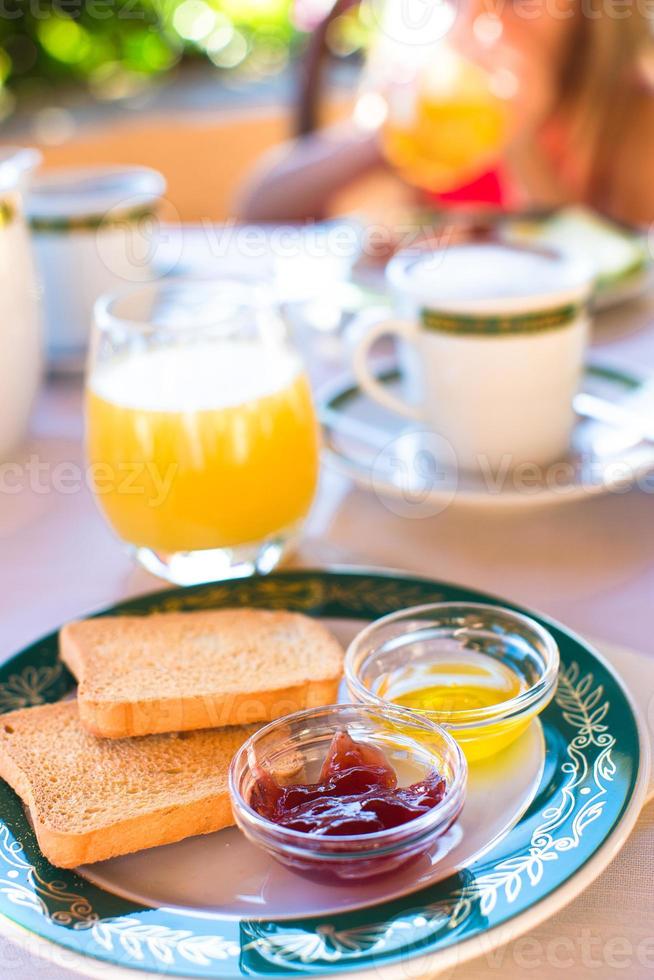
(537, 321)
(92, 222)
(7, 212)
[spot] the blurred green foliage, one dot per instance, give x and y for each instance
(117, 46)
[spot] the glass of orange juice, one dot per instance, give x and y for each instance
(440, 92)
(449, 129)
(201, 432)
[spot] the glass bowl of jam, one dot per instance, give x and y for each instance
(348, 791)
(480, 671)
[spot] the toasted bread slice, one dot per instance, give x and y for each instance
(92, 799)
(172, 672)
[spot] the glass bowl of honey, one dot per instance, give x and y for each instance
(348, 791)
(482, 672)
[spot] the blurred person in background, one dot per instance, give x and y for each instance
(582, 124)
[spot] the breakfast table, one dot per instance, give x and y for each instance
(588, 563)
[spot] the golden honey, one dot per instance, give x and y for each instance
(452, 689)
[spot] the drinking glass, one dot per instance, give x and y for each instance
(441, 88)
(201, 432)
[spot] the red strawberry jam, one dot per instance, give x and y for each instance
(357, 793)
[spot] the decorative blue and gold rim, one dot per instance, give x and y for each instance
(591, 779)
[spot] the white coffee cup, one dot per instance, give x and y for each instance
(93, 230)
(493, 339)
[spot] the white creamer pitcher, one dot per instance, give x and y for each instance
(20, 317)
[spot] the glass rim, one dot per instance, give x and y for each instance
(105, 318)
(295, 841)
(464, 718)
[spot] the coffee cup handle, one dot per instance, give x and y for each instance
(360, 364)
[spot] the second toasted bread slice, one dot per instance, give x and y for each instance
(91, 799)
(171, 672)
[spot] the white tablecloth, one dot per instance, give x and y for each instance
(590, 564)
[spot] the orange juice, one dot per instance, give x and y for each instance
(445, 128)
(211, 445)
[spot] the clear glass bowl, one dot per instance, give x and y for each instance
(299, 743)
(414, 641)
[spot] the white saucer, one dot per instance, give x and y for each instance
(401, 464)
